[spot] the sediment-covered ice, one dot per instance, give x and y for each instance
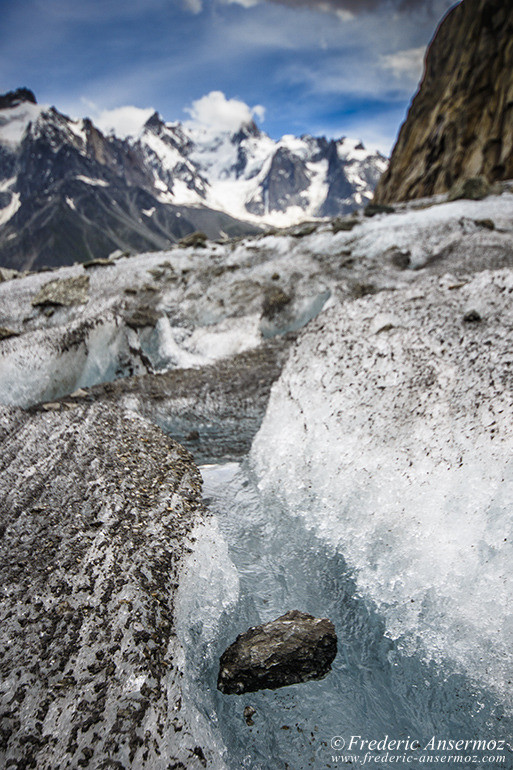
(390, 433)
(188, 307)
(96, 507)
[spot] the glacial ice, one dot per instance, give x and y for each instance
(388, 436)
(206, 304)
(389, 433)
(282, 564)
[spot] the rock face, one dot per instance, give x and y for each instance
(95, 508)
(14, 98)
(460, 122)
(294, 648)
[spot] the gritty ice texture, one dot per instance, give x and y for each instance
(189, 307)
(390, 433)
(96, 506)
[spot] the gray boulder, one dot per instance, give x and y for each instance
(64, 291)
(475, 189)
(294, 648)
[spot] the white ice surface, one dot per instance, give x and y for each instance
(389, 432)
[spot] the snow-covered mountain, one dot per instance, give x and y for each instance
(70, 193)
(253, 177)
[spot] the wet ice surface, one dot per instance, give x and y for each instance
(253, 562)
(389, 434)
(189, 307)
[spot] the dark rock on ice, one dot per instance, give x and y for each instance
(377, 208)
(275, 300)
(5, 333)
(7, 275)
(343, 225)
(294, 648)
(197, 240)
(472, 317)
(249, 713)
(301, 231)
(63, 291)
(475, 189)
(487, 224)
(398, 258)
(141, 317)
(100, 262)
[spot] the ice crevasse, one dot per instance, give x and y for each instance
(390, 432)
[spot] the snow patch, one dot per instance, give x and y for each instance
(10, 210)
(92, 182)
(15, 121)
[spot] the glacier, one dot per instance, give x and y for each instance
(377, 493)
(372, 488)
(189, 307)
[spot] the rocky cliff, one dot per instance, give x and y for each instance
(460, 122)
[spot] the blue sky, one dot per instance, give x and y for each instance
(333, 67)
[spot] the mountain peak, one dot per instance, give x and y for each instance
(154, 121)
(247, 129)
(14, 98)
(148, 187)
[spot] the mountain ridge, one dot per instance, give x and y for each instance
(69, 192)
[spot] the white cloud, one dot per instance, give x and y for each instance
(244, 3)
(194, 6)
(123, 121)
(345, 15)
(215, 111)
(259, 112)
(408, 63)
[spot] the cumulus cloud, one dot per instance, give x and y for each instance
(215, 111)
(123, 121)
